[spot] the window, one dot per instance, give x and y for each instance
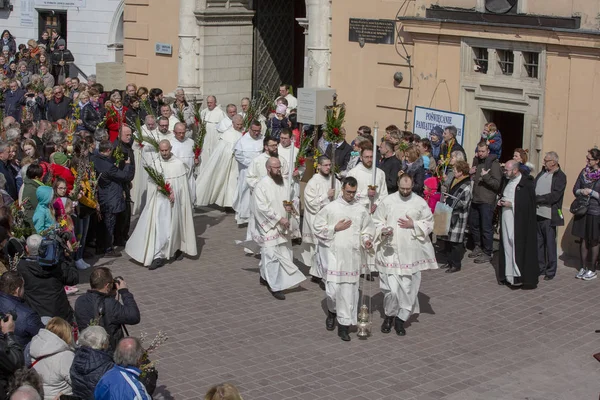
(531, 61)
(480, 56)
(506, 59)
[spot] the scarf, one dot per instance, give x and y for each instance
(590, 175)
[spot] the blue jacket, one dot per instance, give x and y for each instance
(42, 217)
(88, 367)
(121, 384)
(12, 103)
(28, 322)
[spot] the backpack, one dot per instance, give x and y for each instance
(50, 252)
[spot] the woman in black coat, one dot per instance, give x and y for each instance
(92, 360)
(8, 40)
(91, 113)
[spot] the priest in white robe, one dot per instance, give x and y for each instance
(140, 180)
(211, 116)
(345, 231)
(167, 112)
(276, 225)
(363, 173)
(317, 194)
(245, 150)
(183, 148)
(226, 123)
(289, 152)
(403, 221)
(217, 178)
(166, 227)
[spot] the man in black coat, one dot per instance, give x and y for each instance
(110, 194)
(7, 170)
(28, 322)
(343, 152)
(550, 187)
(390, 165)
(12, 100)
(100, 305)
(124, 218)
(450, 143)
(60, 106)
(12, 355)
(45, 286)
(518, 229)
(61, 61)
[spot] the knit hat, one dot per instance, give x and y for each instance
(281, 109)
(60, 158)
(437, 131)
(60, 42)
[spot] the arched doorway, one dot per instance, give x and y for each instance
(115, 35)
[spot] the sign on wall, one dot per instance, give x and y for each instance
(60, 3)
(428, 118)
(28, 13)
(312, 103)
(378, 31)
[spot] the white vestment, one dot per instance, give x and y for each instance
(508, 230)
(342, 254)
(276, 263)
(286, 154)
(185, 152)
(401, 257)
(164, 228)
(315, 198)
(172, 121)
(144, 154)
(225, 124)
(211, 118)
(217, 178)
(364, 176)
(245, 150)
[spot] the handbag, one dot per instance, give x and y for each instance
(579, 206)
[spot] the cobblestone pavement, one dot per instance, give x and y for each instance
(473, 339)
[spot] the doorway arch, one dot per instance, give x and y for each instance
(115, 34)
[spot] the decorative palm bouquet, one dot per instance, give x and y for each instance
(258, 106)
(164, 187)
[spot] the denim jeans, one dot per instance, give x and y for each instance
(480, 225)
(81, 229)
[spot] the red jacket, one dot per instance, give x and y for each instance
(114, 121)
(65, 173)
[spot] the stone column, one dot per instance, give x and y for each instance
(318, 42)
(225, 49)
(188, 49)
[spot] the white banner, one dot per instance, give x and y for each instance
(428, 118)
(60, 3)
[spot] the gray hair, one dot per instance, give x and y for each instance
(91, 78)
(179, 90)
(4, 146)
(458, 155)
(553, 155)
(129, 352)
(33, 244)
(94, 337)
(12, 134)
(230, 106)
(148, 118)
(25, 392)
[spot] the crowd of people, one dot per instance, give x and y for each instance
(76, 163)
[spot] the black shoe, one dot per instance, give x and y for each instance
(475, 253)
(322, 285)
(178, 256)
(482, 259)
(315, 279)
(444, 266)
(503, 283)
(452, 270)
(343, 332)
(157, 263)
(548, 278)
(278, 295)
(111, 253)
(386, 327)
(330, 321)
(263, 281)
(399, 327)
(370, 277)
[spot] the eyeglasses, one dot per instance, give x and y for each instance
(547, 161)
(61, 188)
(591, 159)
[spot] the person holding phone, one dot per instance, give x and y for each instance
(13, 358)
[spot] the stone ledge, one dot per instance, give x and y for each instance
(221, 17)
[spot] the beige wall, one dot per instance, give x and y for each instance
(147, 22)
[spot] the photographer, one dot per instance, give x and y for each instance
(27, 322)
(12, 354)
(99, 304)
(34, 105)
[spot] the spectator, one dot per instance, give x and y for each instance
(99, 303)
(413, 166)
(26, 384)
(43, 218)
(224, 391)
(59, 167)
(493, 138)
(450, 143)
(135, 112)
(47, 78)
(28, 322)
(279, 122)
(12, 354)
(61, 61)
(115, 114)
(487, 177)
(59, 107)
(343, 152)
(7, 170)
(35, 105)
(521, 156)
(52, 354)
(8, 40)
(123, 380)
(390, 165)
(587, 226)
(92, 360)
(91, 79)
(34, 49)
(354, 155)
(32, 180)
(429, 163)
(44, 286)
(23, 74)
(549, 192)
(44, 40)
(91, 112)
(156, 100)
(123, 221)
(448, 175)
(12, 100)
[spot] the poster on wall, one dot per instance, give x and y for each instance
(60, 3)
(28, 13)
(428, 118)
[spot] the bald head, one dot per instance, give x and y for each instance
(129, 352)
(25, 392)
(164, 146)
(273, 162)
(211, 102)
(238, 122)
(511, 165)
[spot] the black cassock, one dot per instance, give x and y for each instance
(525, 235)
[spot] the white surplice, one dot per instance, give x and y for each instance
(342, 254)
(315, 198)
(285, 153)
(225, 124)
(163, 228)
(144, 155)
(185, 152)
(364, 176)
(401, 257)
(245, 150)
(172, 121)
(508, 230)
(211, 118)
(276, 264)
(217, 178)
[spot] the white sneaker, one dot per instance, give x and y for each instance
(81, 265)
(589, 275)
(581, 273)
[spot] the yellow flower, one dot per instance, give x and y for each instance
(63, 223)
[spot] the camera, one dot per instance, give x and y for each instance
(116, 279)
(4, 315)
(30, 94)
